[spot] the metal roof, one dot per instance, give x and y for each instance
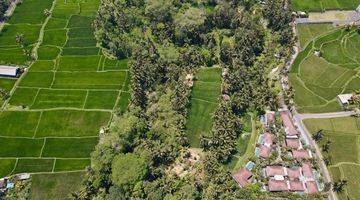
(8, 70)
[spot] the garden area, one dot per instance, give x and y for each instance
(328, 66)
(343, 152)
(321, 5)
(52, 120)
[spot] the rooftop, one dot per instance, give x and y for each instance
(270, 117)
(265, 151)
(307, 171)
(302, 153)
(344, 98)
(277, 186)
(288, 123)
(268, 139)
(275, 170)
(8, 70)
(243, 177)
(293, 143)
(311, 187)
(294, 173)
(296, 186)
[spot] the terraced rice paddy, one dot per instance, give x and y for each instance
(317, 80)
(51, 122)
(320, 5)
(203, 103)
(344, 133)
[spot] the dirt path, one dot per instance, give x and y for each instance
(324, 115)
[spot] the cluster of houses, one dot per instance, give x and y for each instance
(8, 183)
(297, 175)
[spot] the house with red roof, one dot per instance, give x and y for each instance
(294, 173)
(293, 143)
(265, 151)
(301, 154)
(243, 177)
(288, 124)
(311, 187)
(271, 171)
(307, 172)
(297, 186)
(270, 118)
(278, 185)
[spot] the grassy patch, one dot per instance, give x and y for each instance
(101, 99)
(20, 147)
(89, 80)
(55, 186)
(69, 147)
(124, 101)
(30, 12)
(37, 79)
(71, 123)
(7, 83)
(81, 42)
(316, 5)
(23, 96)
(85, 51)
(6, 166)
(55, 37)
(78, 63)
(71, 164)
(56, 23)
(59, 98)
(18, 123)
(42, 65)
(115, 64)
(307, 32)
(48, 52)
(34, 165)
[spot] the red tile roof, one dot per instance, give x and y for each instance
(311, 187)
(243, 177)
(268, 139)
(307, 171)
(277, 186)
(293, 143)
(293, 173)
(265, 151)
(296, 186)
(301, 154)
(288, 123)
(274, 170)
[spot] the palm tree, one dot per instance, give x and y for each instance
(326, 146)
(318, 135)
(19, 39)
(339, 186)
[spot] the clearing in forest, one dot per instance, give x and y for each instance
(320, 5)
(51, 122)
(203, 103)
(328, 66)
(344, 134)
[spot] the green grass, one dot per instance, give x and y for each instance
(89, 80)
(69, 147)
(79, 21)
(20, 147)
(30, 12)
(13, 55)
(55, 37)
(59, 98)
(7, 83)
(55, 186)
(115, 64)
(81, 42)
(25, 126)
(307, 32)
(71, 164)
(320, 5)
(79, 63)
(6, 166)
(71, 123)
(48, 52)
(29, 32)
(42, 65)
(318, 80)
(37, 79)
(23, 97)
(203, 103)
(84, 51)
(32, 165)
(124, 101)
(56, 23)
(344, 133)
(101, 99)
(87, 32)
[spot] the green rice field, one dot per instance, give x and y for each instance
(321, 5)
(318, 79)
(344, 133)
(52, 120)
(203, 102)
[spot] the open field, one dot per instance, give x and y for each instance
(344, 133)
(308, 32)
(317, 80)
(320, 5)
(52, 119)
(204, 101)
(55, 186)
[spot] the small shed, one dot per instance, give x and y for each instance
(344, 99)
(9, 71)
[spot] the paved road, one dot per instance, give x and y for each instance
(324, 115)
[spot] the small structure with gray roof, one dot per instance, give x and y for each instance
(9, 71)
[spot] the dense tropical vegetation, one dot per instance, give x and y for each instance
(4, 5)
(166, 41)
